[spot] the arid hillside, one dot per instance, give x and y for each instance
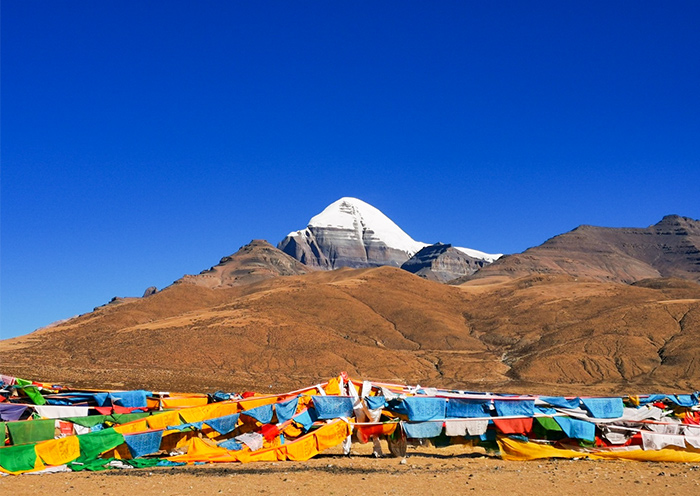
(533, 334)
(669, 248)
(256, 261)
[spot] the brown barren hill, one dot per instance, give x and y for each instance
(533, 334)
(670, 248)
(281, 333)
(256, 261)
(565, 331)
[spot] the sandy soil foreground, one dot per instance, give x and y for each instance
(447, 471)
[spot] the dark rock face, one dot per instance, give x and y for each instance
(330, 248)
(305, 248)
(442, 263)
(150, 291)
(254, 262)
(350, 233)
(670, 248)
(679, 247)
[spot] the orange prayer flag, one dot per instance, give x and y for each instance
(162, 420)
(137, 426)
(184, 401)
(302, 449)
(331, 434)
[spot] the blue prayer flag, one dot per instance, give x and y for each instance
(306, 418)
(231, 445)
(425, 408)
(223, 425)
(422, 430)
(604, 407)
(287, 409)
(464, 408)
(143, 444)
(330, 407)
(561, 402)
(197, 426)
(130, 399)
(374, 402)
(687, 400)
(262, 414)
(519, 408)
(577, 429)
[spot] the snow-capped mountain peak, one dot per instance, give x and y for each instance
(354, 214)
(352, 233)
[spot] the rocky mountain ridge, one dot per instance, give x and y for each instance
(254, 262)
(442, 263)
(669, 248)
(352, 233)
(342, 236)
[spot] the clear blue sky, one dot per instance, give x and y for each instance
(143, 140)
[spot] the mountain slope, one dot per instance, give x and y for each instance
(670, 248)
(256, 261)
(544, 333)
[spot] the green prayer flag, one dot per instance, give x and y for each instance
(143, 462)
(33, 393)
(547, 428)
(93, 444)
(22, 382)
(3, 436)
(548, 423)
(123, 418)
(31, 431)
(91, 465)
(89, 421)
(585, 443)
(117, 418)
(18, 458)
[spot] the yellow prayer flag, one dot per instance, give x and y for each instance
(59, 451)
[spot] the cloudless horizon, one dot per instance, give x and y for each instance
(143, 140)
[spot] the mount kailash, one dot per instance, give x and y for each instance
(352, 233)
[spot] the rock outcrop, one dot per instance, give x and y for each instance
(151, 290)
(442, 263)
(256, 261)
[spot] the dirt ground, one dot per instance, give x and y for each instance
(425, 470)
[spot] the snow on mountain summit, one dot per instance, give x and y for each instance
(352, 233)
(354, 214)
(489, 257)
